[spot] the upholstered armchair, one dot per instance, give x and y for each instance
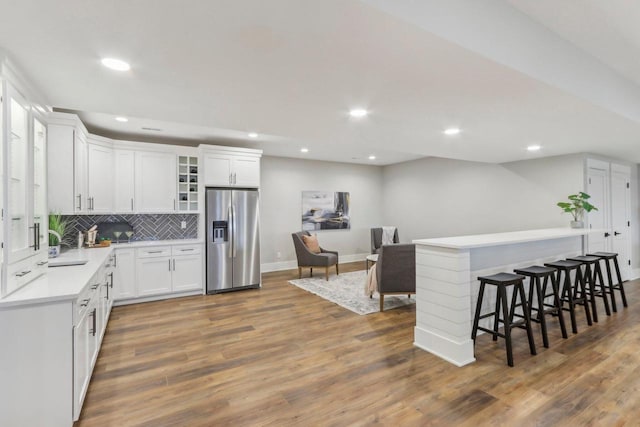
(396, 270)
(308, 259)
(376, 239)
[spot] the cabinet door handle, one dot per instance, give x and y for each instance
(169, 265)
(132, 204)
(115, 261)
(94, 287)
(106, 285)
(23, 273)
(111, 276)
(154, 252)
(41, 263)
(79, 202)
(186, 250)
(84, 303)
(93, 331)
(230, 180)
(235, 180)
(174, 265)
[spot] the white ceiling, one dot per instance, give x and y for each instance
(214, 70)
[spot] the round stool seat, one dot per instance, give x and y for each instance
(585, 259)
(502, 279)
(535, 271)
(564, 264)
(605, 255)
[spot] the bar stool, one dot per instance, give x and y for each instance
(590, 276)
(607, 257)
(501, 281)
(574, 294)
(535, 273)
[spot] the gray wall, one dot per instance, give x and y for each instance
(435, 197)
(282, 183)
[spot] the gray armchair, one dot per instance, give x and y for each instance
(376, 239)
(396, 270)
(307, 259)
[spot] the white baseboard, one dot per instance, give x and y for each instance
(293, 264)
(635, 274)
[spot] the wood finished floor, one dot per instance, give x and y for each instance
(280, 356)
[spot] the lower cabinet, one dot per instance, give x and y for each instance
(157, 271)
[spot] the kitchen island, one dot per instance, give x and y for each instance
(447, 287)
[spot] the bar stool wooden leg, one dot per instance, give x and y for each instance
(507, 328)
(558, 302)
(476, 318)
(582, 290)
(620, 285)
(614, 307)
(587, 279)
(541, 316)
(527, 319)
(597, 273)
(496, 317)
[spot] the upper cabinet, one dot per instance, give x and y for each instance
(24, 219)
(155, 177)
(99, 177)
(124, 194)
(227, 167)
(67, 184)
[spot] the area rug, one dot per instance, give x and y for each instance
(347, 290)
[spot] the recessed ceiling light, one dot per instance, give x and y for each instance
(304, 150)
(534, 147)
(452, 131)
(253, 135)
(122, 119)
(116, 64)
(358, 113)
(372, 157)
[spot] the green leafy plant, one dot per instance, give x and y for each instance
(57, 224)
(577, 205)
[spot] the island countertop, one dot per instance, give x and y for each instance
(496, 239)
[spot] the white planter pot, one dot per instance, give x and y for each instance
(577, 224)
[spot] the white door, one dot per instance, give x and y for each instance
(217, 169)
(123, 181)
(187, 273)
(598, 189)
(155, 178)
(153, 276)
(246, 171)
(100, 182)
(124, 274)
(620, 217)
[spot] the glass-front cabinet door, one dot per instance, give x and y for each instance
(17, 170)
(40, 216)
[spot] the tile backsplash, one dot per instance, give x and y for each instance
(145, 227)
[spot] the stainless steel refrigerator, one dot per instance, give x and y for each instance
(233, 239)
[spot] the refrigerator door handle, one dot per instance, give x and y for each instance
(234, 230)
(230, 231)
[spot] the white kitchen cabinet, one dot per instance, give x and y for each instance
(81, 332)
(231, 168)
(157, 271)
(155, 175)
(153, 276)
(124, 176)
(124, 274)
(100, 178)
(187, 272)
(67, 192)
(25, 219)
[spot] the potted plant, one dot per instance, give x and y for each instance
(57, 227)
(577, 206)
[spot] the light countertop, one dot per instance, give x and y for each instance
(67, 282)
(497, 239)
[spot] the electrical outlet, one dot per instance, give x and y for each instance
(278, 255)
(183, 224)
